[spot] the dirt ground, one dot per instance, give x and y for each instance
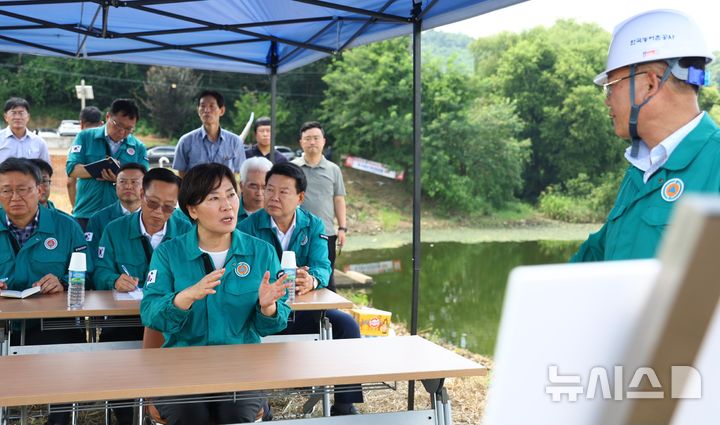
(58, 189)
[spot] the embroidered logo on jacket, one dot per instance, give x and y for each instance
(242, 269)
(672, 189)
(51, 243)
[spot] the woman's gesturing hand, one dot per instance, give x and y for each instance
(205, 286)
(269, 293)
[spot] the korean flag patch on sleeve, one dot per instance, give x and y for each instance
(75, 148)
(88, 236)
(152, 274)
(101, 251)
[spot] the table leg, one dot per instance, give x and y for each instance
(440, 400)
(22, 332)
(4, 350)
(326, 335)
(74, 414)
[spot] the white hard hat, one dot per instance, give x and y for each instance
(652, 36)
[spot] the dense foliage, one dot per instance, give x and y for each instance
(506, 117)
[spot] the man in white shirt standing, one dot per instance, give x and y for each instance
(15, 139)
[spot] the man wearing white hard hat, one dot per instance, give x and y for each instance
(655, 67)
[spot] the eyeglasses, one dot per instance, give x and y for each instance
(20, 113)
(607, 87)
(20, 191)
(46, 182)
(152, 206)
(128, 130)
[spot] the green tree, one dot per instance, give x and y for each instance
(578, 138)
(258, 103)
(544, 71)
(472, 158)
(169, 96)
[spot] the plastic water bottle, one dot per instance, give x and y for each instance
(76, 280)
(290, 269)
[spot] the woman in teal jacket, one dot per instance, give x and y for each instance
(211, 286)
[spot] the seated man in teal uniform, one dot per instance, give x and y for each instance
(289, 228)
(35, 243)
(252, 185)
(127, 245)
(35, 248)
(651, 91)
(114, 139)
(46, 173)
(128, 189)
(211, 286)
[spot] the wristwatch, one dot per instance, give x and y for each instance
(343, 229)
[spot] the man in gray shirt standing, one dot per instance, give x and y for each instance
(209, 143)
(325, 194)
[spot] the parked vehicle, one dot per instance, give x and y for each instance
(155, 153)
(286, 151)
(69, 128)
(46, 132)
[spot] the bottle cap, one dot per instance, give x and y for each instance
(288, 260)
(77, 262)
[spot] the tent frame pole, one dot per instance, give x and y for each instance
(417, 186)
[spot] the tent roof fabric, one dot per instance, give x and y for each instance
(247, 36)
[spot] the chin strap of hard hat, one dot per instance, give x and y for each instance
(635, 108)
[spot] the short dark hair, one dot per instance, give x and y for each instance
(288, 169)
(261, 122)
(91, 114)
(199, 181)
(133, 166)
(311, 124)
(14, 102)
(42, 165)
(160, 174)
(218, 97)
(126, 107)
(21, 165)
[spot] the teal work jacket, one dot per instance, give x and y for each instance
(122, 244)
(230, 316)
(98, 222)
(242, 214)
(642, 211)
(308, 241)
(47, 251)
(89, 146)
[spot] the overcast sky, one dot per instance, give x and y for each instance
(606, 13)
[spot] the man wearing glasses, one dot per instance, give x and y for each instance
(128, 189)
(16, 141)
(325, 196)
(114, 139)
(127, 244)
(46, 173)
(655, 67)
